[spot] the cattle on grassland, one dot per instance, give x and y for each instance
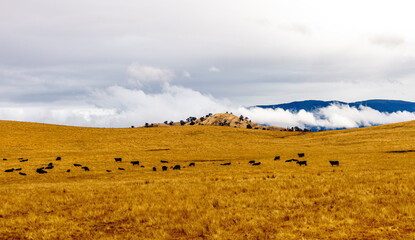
(24, 160)
(17, 169)
(252, 161)
(163, 161)
(58, 158)
(40, 170)
(300, 154)
(69, 170)
(164, 168)
(154, 169)
(302, 163)
(177, 167)
(118, 159)
(192, 164)
(334, 163)
(135, 162)
(108, 170)
(277, 158)
(121, 168)
(9, 170)
(85, 168)
(256, 164)
(77, 165)
(23, 174)
(225, 164)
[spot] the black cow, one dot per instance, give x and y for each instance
(154, 169)
(41, 171)
(225, 164)
(23, 174)
(334, 163)
(164, 168)
(77, 165)
(177, 167)
(256, 164)
(192, 164)
(289, 160)
(277, 158)
(302, 163)
(252, 161)
(135, 162)
(142, 166)
(9, 170)
(300, 154)
(4, 159)
(24, 160)
(108, 170)
(85, 168)
(49, 167)
(118, 159)
(58, 158)
(17, 169)
(163, 161)
(121, 168)
(69, 170)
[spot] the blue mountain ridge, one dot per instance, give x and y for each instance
(381, 105)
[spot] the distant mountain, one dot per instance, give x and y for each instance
(388, 106)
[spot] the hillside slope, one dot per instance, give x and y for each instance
(368, 196)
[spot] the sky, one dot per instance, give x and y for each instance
(119, 63)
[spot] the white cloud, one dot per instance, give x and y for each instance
(186, 74)
(214, 69)
(331, 117)
(145, 74)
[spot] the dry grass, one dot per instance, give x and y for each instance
(370, 196)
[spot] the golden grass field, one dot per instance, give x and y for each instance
(371, 195)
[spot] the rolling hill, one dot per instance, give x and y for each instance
(369, 196)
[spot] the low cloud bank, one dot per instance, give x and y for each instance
(335, 116)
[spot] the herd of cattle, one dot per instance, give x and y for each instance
(50, 166)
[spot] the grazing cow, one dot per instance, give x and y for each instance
(154, 169)
(24, 174)
(225, 164)
(300, 154)
(177, 167)
(142, 166)
(40, 171)
(289, 160)
(135, 162)
(50, 164)
(302, 163)
(58, 158)
(256, 164)
(334, 163)
(164, 168)
(162, 161)
(69, 170)
(49, 167)
(77, 165)
(85, 168)
(252, 161)
(9, 170)
(277, 158)
(17, 169)
(121, 168)
(4, 159)
(192, 164)
(118, 159)
(108, 170)
(24, 160)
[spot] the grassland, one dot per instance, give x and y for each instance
(371, 195)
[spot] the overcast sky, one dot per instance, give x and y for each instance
(78, 62)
